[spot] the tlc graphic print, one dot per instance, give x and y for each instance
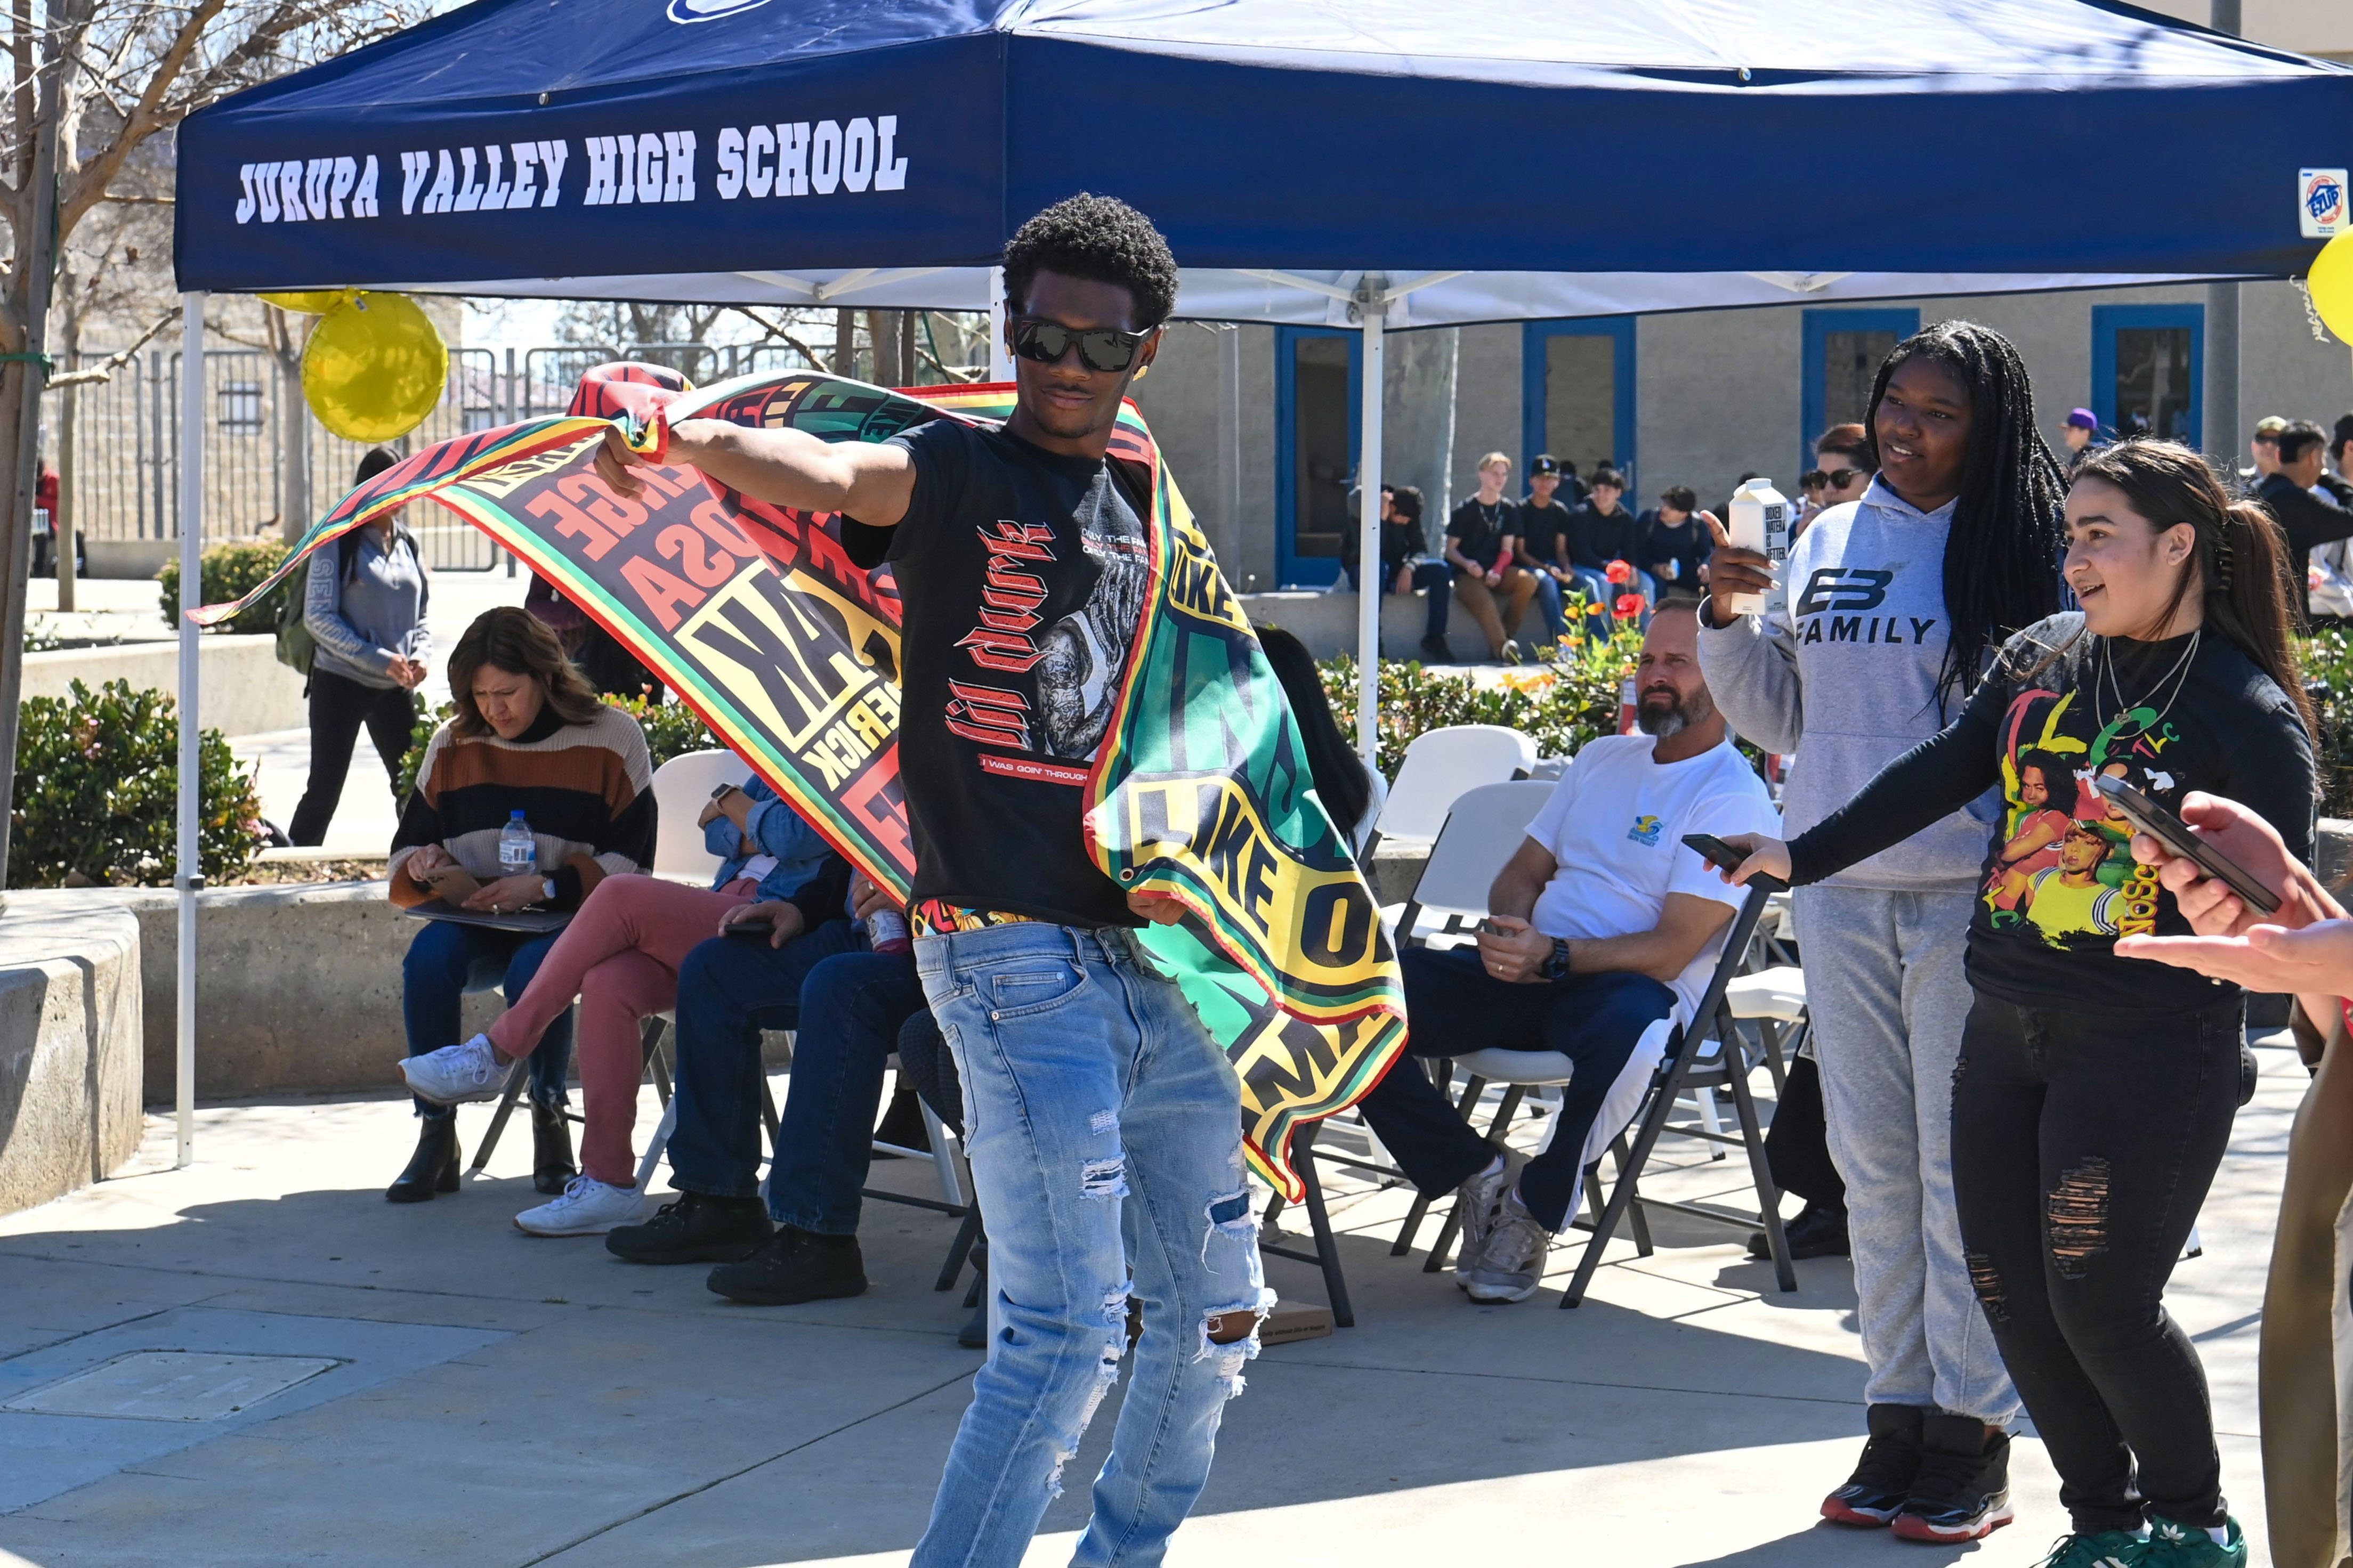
(2065, 869)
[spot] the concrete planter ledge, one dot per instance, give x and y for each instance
(69, 1047)
(242, 688)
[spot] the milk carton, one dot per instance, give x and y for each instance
(1760, 521)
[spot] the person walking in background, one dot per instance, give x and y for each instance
(1478, 546)
(1543, 548)
(2082, 433)
(364, 606)
(2094, 1094)
(1675, 541)
(530, 741)
(1405, 565)
(2310, 514)
(1894, 605)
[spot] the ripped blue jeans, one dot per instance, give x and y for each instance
(1104, 1127)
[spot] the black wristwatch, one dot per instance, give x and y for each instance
(1555, 966)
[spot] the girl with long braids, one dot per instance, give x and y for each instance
(1892, 605)
(2095, 1090)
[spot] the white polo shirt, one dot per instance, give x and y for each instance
(1615, 825)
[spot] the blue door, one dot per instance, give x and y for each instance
(1576, 393)
(1318, 399)
(2149, 364)
(1843, 352)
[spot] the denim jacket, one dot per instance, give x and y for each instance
(778, 831)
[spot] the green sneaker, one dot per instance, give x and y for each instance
(2109, 1549)
(2173, 1545)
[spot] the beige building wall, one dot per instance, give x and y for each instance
(2307, 26)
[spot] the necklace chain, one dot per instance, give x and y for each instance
(2178, 676)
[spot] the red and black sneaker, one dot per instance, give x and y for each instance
(1875, 1493)
(1962, 1491)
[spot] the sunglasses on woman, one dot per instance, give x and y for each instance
(1838, 478)
(1103, 349)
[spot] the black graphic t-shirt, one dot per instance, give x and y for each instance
(1543, 526)
(1021, 574)
(2059, 708)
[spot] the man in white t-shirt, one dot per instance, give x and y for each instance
(1609, 925)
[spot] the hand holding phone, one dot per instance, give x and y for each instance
(2169, 831)
(1728, 859)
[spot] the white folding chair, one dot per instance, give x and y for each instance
(1483, 830)
(682, 786)
(1439, 766)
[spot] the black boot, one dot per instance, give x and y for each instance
(550, 1148)
(434, 1167)
(792, 1267)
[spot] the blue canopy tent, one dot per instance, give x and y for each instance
(1344, 161)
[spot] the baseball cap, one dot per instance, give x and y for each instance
(2083, 419)
(2270, 425)
(1543, 463)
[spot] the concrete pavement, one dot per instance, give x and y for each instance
(502, 1401)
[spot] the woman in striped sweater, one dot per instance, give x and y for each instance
(529, 736)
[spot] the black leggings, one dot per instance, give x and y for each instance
(339, 707)
(2083, 1147)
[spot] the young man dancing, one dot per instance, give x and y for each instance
(1103, 1122)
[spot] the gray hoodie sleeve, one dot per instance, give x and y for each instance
(322, 615)
(1752, 672)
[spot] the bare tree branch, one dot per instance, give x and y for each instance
(105, 369)
(777, 330)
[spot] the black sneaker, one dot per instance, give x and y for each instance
(1435, 651)
(695, 1227)
(1962, 1491)
(1875, 1493)
(792, 1267)
(1818, 1231)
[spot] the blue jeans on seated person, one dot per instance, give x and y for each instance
(728, 989)
(433, 978)
(1434, 579)
(1547, 600)
(1456, 1007)
(1104, 1129)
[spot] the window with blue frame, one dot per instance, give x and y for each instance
(1844, 351)
(2149, 367)
(1318, 397)
(1576, 393)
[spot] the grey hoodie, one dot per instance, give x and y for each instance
(1844, 675)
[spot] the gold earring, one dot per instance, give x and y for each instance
(1141, 371)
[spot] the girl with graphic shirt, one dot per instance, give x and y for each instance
(2096, 1091)
(1894, 603)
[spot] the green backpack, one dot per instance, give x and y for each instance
(296, 649)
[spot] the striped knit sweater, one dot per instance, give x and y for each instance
(586, 790)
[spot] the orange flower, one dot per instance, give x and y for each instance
(1628, 607)
(1619, 572)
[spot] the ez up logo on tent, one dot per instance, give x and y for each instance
(2320, 202)
(708, 10)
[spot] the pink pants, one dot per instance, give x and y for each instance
(621, 956)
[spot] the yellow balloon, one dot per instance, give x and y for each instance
(374, 368)
(314, 303)
(2332, 286)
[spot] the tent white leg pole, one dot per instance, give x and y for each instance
(190, 875)
(1000, 357)
(1374, 308)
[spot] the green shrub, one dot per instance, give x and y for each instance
(96, 799)
(2328, 659)
(671, 730)
(230, 572)
(1561, 702)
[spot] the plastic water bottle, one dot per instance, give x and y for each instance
(886, 932)
(1760, 521)
(518, 848)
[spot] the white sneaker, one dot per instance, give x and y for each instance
(456, 1074)
(1476, 1203)
(588, 1207)
(1512, 1265)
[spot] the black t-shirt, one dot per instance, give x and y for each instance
(1684, 546)
(1021, 574)
(1542, 525)
(2060, 883)
(1478, 528)
(1597, 538)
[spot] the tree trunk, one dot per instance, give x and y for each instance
(20, 426)
(845, 342)
(294, 426)
(63, 532)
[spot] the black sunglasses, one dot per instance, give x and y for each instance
(1838, 478)
(1104, 349)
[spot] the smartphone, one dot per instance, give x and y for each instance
(2170, 831)
(754, 925)
(1724, 858)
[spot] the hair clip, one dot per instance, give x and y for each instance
(2222, 559)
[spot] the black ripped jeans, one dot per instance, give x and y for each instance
(2083, 1147)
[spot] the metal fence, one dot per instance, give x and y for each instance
(127, 434)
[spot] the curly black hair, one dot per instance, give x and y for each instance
(1099, 238)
